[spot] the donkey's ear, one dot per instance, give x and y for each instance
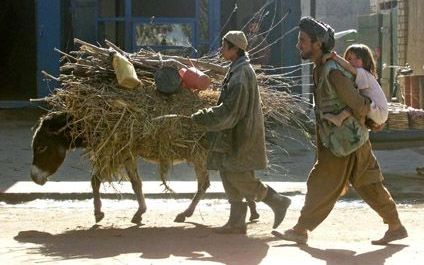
(37, 124)
(56, 121)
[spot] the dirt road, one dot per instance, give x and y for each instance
(63, 232)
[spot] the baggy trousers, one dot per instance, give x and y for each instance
(242, 185)
(331, 174)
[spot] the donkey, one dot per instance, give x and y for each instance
(52, 140)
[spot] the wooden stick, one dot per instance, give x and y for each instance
(113, 46)
(158, 63)
(97, 49)
(65, 54)
(210, 66)
(50, 76)
(184, 62)
(38, 100)
(141, 64)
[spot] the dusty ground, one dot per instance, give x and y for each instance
(52, 232)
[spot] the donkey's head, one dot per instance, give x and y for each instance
(49, 145)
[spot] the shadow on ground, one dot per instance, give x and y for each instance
(197, 243)
(350, 257)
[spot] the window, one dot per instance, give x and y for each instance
(111, 22)
(113, 31)
(164, 35)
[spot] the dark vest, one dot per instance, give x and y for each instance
(343, 140)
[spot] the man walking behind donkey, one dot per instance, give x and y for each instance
(344, 155)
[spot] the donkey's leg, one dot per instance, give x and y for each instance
(164, 166)
(202, 185)
(95, 185)
(137, 188)
(254, 215)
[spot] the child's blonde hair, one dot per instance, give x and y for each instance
(364, 53)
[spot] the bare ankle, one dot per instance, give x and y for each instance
(300, 230)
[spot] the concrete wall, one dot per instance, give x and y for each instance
(373, 6)
(342, 15)
(415, 36)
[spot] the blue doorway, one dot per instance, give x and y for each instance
(48, 37)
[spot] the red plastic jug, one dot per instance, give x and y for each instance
(195, 79)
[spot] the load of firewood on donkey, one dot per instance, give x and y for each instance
(129, 105)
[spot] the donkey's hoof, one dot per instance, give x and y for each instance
(180, 218)
(136, 219)
(253, 217)
(99, 216)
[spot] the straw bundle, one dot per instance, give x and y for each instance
(398, 117)
(118, 125)
(416, 117)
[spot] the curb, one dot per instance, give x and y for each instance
(24, 191)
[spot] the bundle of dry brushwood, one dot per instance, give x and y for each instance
(116, 123)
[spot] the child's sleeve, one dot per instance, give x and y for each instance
(361, 79)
